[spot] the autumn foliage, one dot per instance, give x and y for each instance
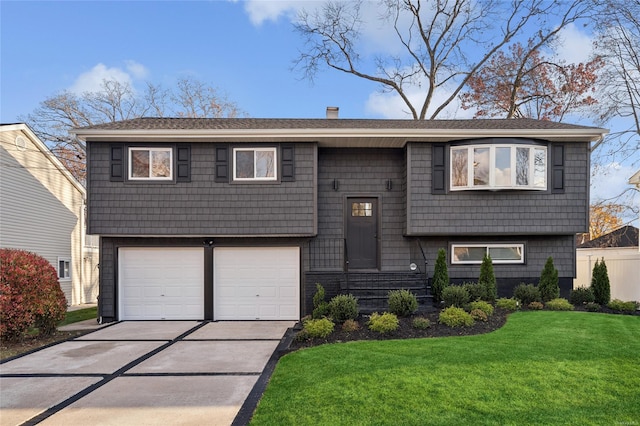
(30, 294)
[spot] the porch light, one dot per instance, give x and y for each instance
(413, 266)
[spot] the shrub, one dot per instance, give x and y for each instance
(483, 306)
(581, 296)
(317, 328)
(526, 293)
(421, 323)
(548, 285)
(30, 294)
(440, 276)
(507, 304)
(320, 306)
(559, 304)
(592, 307)
(343, 307)
(455, 317)
(535, 306)
(488, 279)
(479, 315)
(476, 291)
(619, 305)
(455, 295)
(402, 303)
(350, 326)
(600, 283)
(385, 323)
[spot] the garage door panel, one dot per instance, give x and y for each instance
(161, 283)
(254, 282)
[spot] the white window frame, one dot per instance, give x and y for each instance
(65, 272)
(274, 150)
(132, 149)
(520, 246)
(492, 167)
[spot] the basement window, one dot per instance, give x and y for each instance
(474, 253)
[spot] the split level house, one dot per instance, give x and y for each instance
(42, 210)
(238, 219)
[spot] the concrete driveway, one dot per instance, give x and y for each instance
(145, 373)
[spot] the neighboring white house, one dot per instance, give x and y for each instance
(42, 210)
(619, 249)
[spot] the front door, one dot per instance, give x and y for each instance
(362, 233)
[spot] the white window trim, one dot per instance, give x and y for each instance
(492, 165)
(66, 260)
(487, 247)
(254, 150)
(150, 149)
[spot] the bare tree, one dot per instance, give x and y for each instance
(115, 101)
(443, 42)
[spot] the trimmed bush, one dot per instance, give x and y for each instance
(559, 305)
(421, 323)
(488, 279)
(548, 285)
(592, 307)
(455, 295)
(350, 326)
(317, 328)
(600, 283)
(535, 306)
(343, 307)
(479, 315)
(619, 305)
(507, 304)
(30, 294)
(440, 276)
(476, 291)
(483, 306)
(402, 303)
(385, 323)
(581, 296)
(320, 306)
(526, 293)
(455, 317)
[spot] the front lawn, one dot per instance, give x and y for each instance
(540, 368)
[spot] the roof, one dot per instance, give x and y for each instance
(635, 179)
(627, 236)
(333, 132)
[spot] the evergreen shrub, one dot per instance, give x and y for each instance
(440, 276)
(487, 279)
(343, 307)
(385, 323)
(455, 295)
(402, 302)
(548, 285)
(526, 293)
(600, 283)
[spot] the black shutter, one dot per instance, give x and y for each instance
(183, 163)
(438, 169)
(287, 161)
(116, 173)
(222, 163)
(557, 169)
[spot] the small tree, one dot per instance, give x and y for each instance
(548, 285)
(440, 276)
(600, 283)
(487, 279)
(320, 305)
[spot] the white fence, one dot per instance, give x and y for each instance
(623, 266)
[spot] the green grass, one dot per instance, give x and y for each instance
(541, 368)
(79, 315)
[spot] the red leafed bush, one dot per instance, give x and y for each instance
(30, 294)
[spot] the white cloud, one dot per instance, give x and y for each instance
(610, 180)
(573, 45)
(91, 81)
(260, 11)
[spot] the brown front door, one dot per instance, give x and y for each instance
(362, 233)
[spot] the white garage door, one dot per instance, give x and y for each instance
(161, 283)
(256, 283)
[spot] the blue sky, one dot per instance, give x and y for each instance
(245, 49)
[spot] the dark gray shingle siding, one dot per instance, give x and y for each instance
(202, 206)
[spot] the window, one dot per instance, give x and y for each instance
(362, 209)
(254, 164)
(498, 167)
(150, 163)
(474, 253)
(64, 268)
